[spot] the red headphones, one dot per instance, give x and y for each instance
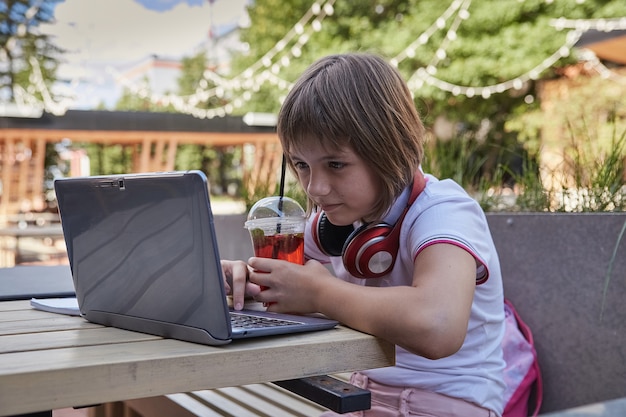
(369, 251)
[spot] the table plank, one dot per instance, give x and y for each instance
(64, 361)
(69, 338)
(47, 324)
(15, 305)
(23, 315)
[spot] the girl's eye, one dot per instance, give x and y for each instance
(336, 165)
(300, 165)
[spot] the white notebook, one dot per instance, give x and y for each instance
(68, 305)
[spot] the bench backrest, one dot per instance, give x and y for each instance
(554, 270)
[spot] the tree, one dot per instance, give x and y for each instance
(216, 162)
(113, 159)
(22, 47)
(130, 101)
(495, 41)
(461, 43)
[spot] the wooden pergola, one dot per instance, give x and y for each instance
(608, 46)
(153, 137)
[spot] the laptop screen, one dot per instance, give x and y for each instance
(143, 246)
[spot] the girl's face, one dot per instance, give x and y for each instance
(338, 181)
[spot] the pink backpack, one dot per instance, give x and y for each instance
(521, 374)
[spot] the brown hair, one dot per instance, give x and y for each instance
(357, 100)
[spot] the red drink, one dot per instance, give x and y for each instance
(276, 225)
(288, 247)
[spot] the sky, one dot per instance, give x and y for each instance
(103, 34)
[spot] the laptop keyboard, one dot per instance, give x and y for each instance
(247, 321)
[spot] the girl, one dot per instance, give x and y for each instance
(413, 258)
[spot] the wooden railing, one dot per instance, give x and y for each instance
(22, 158)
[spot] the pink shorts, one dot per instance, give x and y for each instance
(389, 401)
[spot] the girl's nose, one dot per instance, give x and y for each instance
(317, 186)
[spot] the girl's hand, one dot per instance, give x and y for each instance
(290, 288)
(237, 283)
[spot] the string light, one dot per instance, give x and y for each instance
(239, 89)
(266, 69)
(423, 38)
(584, 25)
(450, 35)
(420, 76)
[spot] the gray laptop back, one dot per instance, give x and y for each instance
(143, 254)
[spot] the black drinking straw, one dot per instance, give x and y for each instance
(281, 191)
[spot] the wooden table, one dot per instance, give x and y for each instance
(51, 361)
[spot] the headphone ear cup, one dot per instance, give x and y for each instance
(329, 238)
(371, 252)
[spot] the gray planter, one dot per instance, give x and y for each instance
(555, 268)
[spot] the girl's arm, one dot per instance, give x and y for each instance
(428, 318)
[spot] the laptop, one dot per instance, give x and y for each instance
(143, 255)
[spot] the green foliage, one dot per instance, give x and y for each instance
(497, 42)
(530, 192)
(292, 189)
(598, 176)
(108, 159)
(220, 164)
(192, 78)
(589, 180)
(192, 73)
(130, 101)
(456, 159)
(496, 150)
(20, 41)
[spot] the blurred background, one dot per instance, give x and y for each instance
(523, 99)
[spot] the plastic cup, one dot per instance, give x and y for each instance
(277, 229)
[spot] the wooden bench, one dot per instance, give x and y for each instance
(248, 400)
(555, 269)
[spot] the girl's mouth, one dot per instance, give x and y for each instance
(329, 207)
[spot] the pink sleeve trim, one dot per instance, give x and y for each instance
(481, 276)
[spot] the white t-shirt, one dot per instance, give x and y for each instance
(444, 212)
